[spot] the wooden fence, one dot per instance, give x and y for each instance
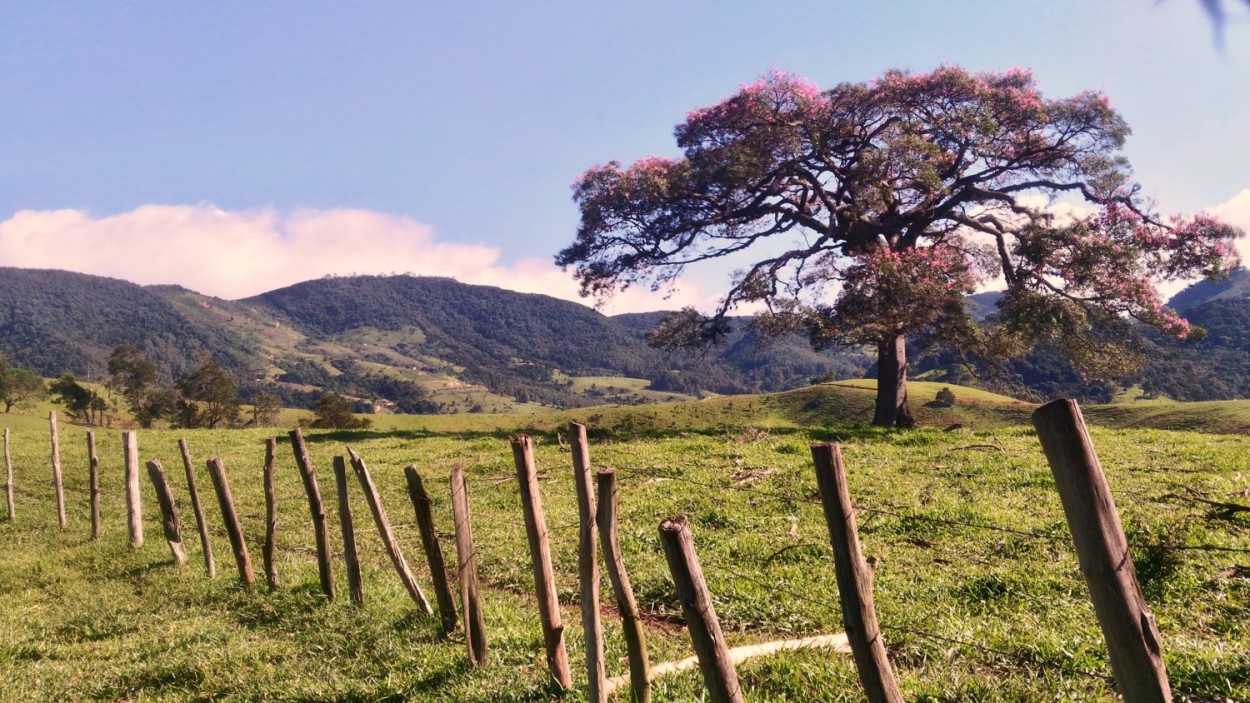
(1132, 638)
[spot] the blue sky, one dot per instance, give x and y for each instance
(244, 145)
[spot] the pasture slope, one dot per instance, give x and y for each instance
(964, 527)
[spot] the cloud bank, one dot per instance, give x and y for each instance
(236, 254)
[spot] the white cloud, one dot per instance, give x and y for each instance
(235, 254)
(1236, 211)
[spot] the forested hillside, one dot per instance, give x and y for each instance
(55, 321)
(411, 344)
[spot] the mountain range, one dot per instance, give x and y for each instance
(415, 344)
(420, 344)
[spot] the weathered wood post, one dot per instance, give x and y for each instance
(854, 578)
(433, 552)
(466, 570)
(324, 569)
(189, 469)
(269, 549)
(631, 623)
(588, 565)
(169, 512)
(540, 559)
(93, 483)
(1127, 624)
(374, 500)
(8, 475)
(354, 583)
(134, 510)
(225, 499)
(715, 662)
(57, 484)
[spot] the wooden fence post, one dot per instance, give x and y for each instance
(631, 624)
(324, 569)
(466, 571)
(93, 483)
(56, 470)
(374, 500)
(540, 559)
(134, 510)
(854, 578)
(354, 583)
(202, 526)
(719, 675)
(271, 516)
(1127, 624)
(588, 564)
(169, 512)
(217, 471)
(433, 552)
(8, 475)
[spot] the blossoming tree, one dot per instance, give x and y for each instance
(871, 210)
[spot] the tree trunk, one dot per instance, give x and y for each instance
(892, 410)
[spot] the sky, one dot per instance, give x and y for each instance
(236, 147)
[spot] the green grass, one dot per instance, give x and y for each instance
(83, 620)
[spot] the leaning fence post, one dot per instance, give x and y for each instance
(466, 570)
(719, 675)
(217, 470)
(57, 484)
(1127, 624)
(433, 552)
(8, 475)
(309, 475)
(169, 512)
(631, 624)
(134, 510)
(854, 578)
(209, 563)
(354, 583)
(374, 500)
(540, 560)
(588, 564)
(271, 516)
(93, 483)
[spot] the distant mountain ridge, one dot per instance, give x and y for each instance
(376, 337)
(416, 344)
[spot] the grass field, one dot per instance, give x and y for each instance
(83, 620)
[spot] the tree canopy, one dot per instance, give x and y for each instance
(873, 209)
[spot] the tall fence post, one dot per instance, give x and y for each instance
(169, 512)
(631, 624)
(189, 469)
(854, 578)
(269, 549)
(57, 483)
(134, 509)
(466, 571)
(355, 585)
(324, 569)
(540, 559)
(8, 475)
(225, 499)
(93, 484)
(715, 662)
(588, 564)
(1127, 624)
(433, 552)
(374, 500)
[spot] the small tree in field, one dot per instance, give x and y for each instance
(872, 209)
(20, 387)
(333, 411)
